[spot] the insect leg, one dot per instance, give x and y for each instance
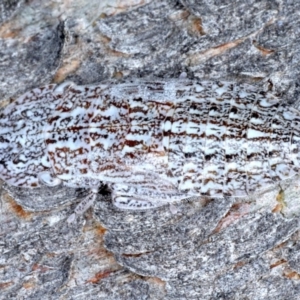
(84, 205)
(139, 198)
(48, 179)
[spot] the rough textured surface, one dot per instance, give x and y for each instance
(198, 248)
(25, 63)
(8, 7)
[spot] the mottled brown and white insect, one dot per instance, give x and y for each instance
(152, 142)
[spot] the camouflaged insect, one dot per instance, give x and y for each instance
(152, 142)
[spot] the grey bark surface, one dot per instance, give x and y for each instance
(194, 249)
